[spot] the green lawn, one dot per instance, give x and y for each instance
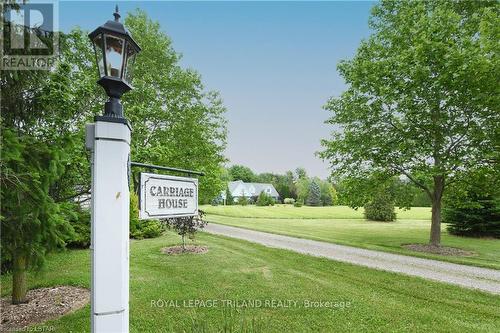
(238, 270)
(304, 212)
(347, 226)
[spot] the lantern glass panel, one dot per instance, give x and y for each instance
(98, 46)
(114, 56)
(130, 63)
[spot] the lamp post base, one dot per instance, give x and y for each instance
(109, 140)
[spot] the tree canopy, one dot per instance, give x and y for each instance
(243, 173)
(175, 121)
(422, 96)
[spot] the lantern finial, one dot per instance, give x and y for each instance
(116, 14)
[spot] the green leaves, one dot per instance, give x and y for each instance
(420, 92)
(32, 223)
(175, 122)
(422, 98)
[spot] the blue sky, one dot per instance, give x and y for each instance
(274, 64)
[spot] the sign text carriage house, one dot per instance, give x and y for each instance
(251, 190)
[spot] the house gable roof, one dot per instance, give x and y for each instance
(239, 188)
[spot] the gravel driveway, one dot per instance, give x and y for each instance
(466, 276)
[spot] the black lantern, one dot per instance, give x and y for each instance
(115, 52)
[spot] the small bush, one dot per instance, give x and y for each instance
(264, 199)
(150, 229)
(242, 201)
(289, 201)
(299, 203)
(134, 215)
(381, 208)
(142, 229)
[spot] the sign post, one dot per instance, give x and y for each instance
(110, 146)
(109, 140)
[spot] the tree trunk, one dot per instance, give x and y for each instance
(19, 287)
(435, 238)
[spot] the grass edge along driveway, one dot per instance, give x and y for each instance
(238, 270)
(353, 230)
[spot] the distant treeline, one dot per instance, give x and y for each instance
(296, 185)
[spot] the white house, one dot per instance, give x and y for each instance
(251, 190)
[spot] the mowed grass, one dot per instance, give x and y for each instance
(352, 229)
(305, 212)
(241, 271)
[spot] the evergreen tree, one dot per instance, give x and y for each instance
(477, 216)
(314, 198)
(472, 207)
(32, 224)
(229, 198)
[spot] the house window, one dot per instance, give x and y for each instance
(268, 190)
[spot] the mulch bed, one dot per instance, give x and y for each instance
(174, 250)
(442, 250)
(42, 304)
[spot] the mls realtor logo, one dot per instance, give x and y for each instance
(29, 38)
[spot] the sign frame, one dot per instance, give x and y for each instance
(144, 177)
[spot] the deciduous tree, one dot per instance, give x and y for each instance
(422, 98)
(175, 121)
(186, 226)
(243, 173)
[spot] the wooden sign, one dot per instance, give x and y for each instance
(163, 196)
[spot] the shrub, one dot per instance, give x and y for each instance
(474, 214)
(289, 201)
(243, 201)
(264, 199)
(150, 229)
(142, 229)
(380, 208)
(298, 203)
(134, 215)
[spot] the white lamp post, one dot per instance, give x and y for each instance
(109, 140)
